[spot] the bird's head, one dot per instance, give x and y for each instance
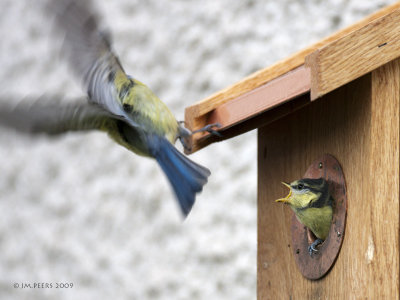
(304, 192)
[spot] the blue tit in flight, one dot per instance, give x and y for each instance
(116, 103)
(311, 202)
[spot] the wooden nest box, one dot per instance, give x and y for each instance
(340, 96)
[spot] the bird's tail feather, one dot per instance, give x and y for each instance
(186, 177)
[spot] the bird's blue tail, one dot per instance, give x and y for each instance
(186, 177)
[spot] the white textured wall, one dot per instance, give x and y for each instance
(81, 209)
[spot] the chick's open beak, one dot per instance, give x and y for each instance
(287, 198)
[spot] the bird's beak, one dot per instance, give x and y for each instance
(287, 198)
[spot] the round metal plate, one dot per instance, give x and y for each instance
(316, 266)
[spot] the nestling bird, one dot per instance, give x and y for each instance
(311, 202)
(118, 104)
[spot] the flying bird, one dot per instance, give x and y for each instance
(125, 108)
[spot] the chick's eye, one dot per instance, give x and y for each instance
(300, 186)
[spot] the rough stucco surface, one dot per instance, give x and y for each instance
(80, 209)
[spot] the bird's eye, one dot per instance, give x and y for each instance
(127, 107)
(300, 186)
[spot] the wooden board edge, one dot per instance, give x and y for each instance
(355, 54)
(267, 97)
(278, 69)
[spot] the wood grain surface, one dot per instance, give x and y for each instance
(270, 95)
(358, 124)
(355, 54)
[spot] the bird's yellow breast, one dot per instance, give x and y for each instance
(317, 219)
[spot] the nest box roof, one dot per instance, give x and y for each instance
(294, 82)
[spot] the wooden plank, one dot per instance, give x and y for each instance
(294, 61)
(267, 96)
(355, 54)
(197, 115)
(254, 103)
(383, 251)
(358, 124)
(260, 120)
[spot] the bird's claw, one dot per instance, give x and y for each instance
(185, 133)
(209, 128)
(185, 145)
(312, 248)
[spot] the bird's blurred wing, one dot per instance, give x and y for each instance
(45, 116)
(88, 51)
